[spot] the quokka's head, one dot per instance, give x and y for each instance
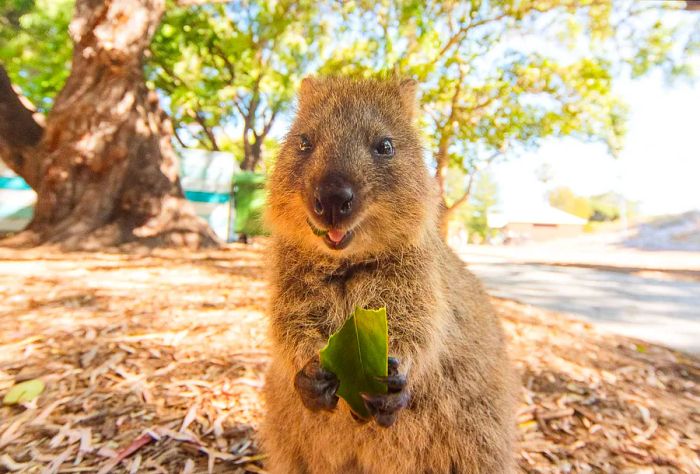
(350, 179)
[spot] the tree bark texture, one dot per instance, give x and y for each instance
(106, 172)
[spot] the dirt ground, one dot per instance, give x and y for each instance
(154, 363)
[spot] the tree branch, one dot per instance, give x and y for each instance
(177, 137)
(207, 130)
(19, 132)
(472, 178)
(230, 68)
(462, 33)
(446, 135)
(268, 125)
(467, 194)
(238, 105)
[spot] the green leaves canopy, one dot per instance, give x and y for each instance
(35, 47)
(358, 353)
(234, 66)
(500, 76)
(497, 77)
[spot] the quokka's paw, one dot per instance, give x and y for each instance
(317, 386)
(385, 407)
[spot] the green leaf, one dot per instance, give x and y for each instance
(358, 353)
(24, 392)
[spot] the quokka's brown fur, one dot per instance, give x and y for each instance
(441, 324)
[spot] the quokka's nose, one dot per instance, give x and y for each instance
(333, 200)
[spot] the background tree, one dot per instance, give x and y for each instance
(498, 77)
(222, 68)
(234, 65)
(565, 199)
(102, 165)
(501, 76)
(597, 208)
(612, 206)
(483, 199)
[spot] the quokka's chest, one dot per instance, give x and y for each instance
(366, 288)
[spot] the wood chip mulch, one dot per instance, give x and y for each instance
(154, 363)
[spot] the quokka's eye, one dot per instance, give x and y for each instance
(384, 148)
(305, 144)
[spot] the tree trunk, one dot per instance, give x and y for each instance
(256, 153)
(252, 152)
(246, 164)
(444, 215)
(107, 172)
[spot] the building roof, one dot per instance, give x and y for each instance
(541, 213)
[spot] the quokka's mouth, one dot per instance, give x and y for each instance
(335, 239)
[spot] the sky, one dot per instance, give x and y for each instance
(659, 166)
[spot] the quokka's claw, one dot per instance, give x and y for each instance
(385, 407)
(317, 386)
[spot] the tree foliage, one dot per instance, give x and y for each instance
(611, 206)
(497, 77)
(234, 67)
(483, 200)
(35, 47)
(501, 76)
(604, 207)
(565, 199)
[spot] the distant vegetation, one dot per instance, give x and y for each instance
(607, 207)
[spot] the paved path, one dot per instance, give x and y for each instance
(657, 310)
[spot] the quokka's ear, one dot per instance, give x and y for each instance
(309, 86)
(408, 90)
